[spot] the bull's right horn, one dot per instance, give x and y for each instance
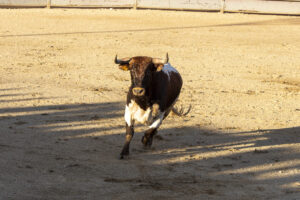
(160, 60)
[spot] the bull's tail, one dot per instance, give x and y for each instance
(180, 112)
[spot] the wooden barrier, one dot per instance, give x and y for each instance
(210, 5)
(290, 7)
(93, 3)
(23, 3)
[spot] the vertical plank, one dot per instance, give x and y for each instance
(135, 4)
(222, 2)
(48, 3)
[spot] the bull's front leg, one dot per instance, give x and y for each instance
(129, 132)
(128, 137)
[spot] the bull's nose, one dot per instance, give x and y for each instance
(138, 91)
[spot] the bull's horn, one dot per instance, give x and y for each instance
(161, 61)
(122, 61)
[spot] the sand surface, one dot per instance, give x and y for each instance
(62, 102)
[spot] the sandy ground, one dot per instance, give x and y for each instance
(62, 102)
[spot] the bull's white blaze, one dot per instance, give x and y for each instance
(133, 112)
(168, 69)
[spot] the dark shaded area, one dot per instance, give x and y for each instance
(45, 119)
(11, 95)
(24, 99)
(59, 152)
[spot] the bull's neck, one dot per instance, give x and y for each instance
(143, 102)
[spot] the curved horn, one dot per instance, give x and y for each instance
(122, 61)
(161, 61)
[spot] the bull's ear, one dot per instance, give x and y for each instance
(159, 67)
(123, 63)
(124, 67)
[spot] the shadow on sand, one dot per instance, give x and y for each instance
(49, 151)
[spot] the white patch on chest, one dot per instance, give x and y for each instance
(133, 112)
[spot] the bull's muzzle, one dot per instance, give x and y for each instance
(138, 91)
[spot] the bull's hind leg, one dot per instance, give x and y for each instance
(128, 137)
(148, 137)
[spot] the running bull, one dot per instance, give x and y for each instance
(155, 87)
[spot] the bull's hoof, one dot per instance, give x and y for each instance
(124, 153)
(122, 156)
(147, 142)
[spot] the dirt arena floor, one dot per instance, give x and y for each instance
(62, 102)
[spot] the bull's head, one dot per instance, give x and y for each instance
(141, 70)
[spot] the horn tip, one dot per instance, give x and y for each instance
(167, 57)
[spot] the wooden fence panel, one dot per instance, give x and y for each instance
(246, 6)
(23, 3)
(181, 4)
(153, 4)
(196, 4)
(264, 6)
(92, 3)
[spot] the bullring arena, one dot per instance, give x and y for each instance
(63, 98)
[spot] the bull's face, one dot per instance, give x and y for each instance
(141, 71)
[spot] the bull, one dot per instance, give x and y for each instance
(155, 87)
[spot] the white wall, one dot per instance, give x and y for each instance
(259, 6)
(264, 6)
(30, 3)
(91, 3)
(181, 4)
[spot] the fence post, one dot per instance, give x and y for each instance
(222, 6)
(48, 3)
(135, 4)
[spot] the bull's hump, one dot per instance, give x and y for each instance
(168, 70)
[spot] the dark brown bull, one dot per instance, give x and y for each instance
(155, 87)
